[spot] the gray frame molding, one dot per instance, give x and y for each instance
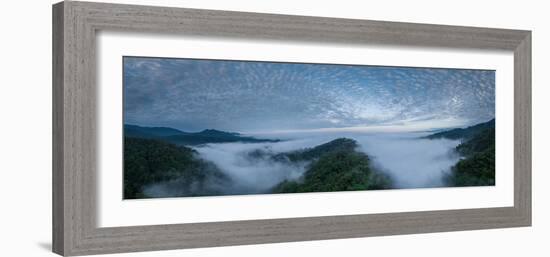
(74, 108)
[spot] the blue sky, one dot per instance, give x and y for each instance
(242, 96)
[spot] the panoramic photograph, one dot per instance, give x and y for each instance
(199, 127)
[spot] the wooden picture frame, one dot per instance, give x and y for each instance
(75, 25)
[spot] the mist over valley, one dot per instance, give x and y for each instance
(352, 161)
(205, 127)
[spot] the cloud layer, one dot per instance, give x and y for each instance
(261, 96)
(410, 161)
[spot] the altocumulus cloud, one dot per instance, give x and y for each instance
(261, 96)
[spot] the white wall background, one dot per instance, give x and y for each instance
(25, 129)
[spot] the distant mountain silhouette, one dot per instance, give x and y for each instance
(179, 137)
(464, 133)
(214, 132)
(150, 132)
(338, 145)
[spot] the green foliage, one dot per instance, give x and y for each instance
(476, 170)
(336, 166)
(148, 161)
(478, 166)
(483, 141)
(308, 154)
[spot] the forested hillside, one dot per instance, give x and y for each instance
(163, 162)
(177, 170)
(335, 166)
(477, 166)
(149, 161)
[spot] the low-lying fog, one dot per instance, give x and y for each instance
(412, 162)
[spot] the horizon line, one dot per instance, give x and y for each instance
(402, 127)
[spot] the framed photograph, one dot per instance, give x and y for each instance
(183, 128)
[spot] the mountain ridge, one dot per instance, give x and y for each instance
(335, 166)
(131, 130)
(179, 137)
(464, 133)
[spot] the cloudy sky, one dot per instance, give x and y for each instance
(240, 96)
